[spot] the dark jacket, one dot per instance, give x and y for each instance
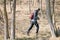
(35, 15)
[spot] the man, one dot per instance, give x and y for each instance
(34, 21)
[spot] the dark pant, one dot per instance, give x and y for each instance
(36, 24)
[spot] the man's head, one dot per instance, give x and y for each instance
(38, 9)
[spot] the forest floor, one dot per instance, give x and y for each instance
(23, 22)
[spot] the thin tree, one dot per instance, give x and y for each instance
(6, 32)
(29, 6)
(57, 30)
(38, 3)
(53, 13)
(52, 9)
(49, 16)
(40, 6)
(13, 9)
(52, 5)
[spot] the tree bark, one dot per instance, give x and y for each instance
(53, 13)
(13, 9)
(6, 32)
(49, 16)
(52, 9)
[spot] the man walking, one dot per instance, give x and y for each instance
(34, 18)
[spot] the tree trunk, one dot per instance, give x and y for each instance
(53, 13)
(53, 4)
(13, 9)
(49, 16)
(38, 3)
(54, 20)
(40, 6)
(6, 32)
(29, 6)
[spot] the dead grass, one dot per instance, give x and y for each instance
(23, 22)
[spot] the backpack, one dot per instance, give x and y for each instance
(31, 16)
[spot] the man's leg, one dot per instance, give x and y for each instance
(37, 25)
(30, 28)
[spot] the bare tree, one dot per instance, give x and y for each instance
(49, 16)
(38, 3)
(52, 2)
(53, 11)
(6, 32)
(13, 9)
(40, 6)
(29, 6)
(57, 30)
(53, 14)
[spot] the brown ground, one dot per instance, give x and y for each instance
(23, 21)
